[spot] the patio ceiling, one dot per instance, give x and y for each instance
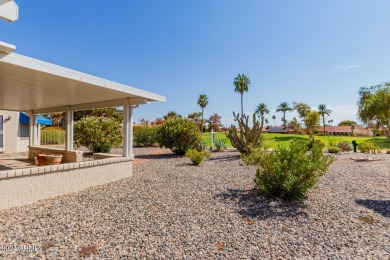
(27, 84)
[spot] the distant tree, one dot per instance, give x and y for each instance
(330, 121)
(284, 107)
(58, 119)
(312, 122)
(196, 117)
(274, 118)
(202, 102)
(111, 112)
(374, 105)
(241, 84)
(302, 109)
(294, 125)
(214, 122)
(159, 121)
(261, 110)
(323, 110)
(266, 121)
(171, 114)
(347, 123)
(374, 126)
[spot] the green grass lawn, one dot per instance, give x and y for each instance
(272, 140)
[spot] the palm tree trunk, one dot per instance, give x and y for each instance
(242, 106)
(202, 120)
(323, 122)
(284, 121)
(262, 120)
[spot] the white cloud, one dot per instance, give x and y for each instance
(346, 67)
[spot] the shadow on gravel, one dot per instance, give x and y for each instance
(379, 206)
(224, 158)
(253, 205)
(158, 156)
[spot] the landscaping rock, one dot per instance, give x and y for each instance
(171, 209)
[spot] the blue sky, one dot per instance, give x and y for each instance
(307, 51)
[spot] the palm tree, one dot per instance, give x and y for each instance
(284, 107)
(241, 84)
(330, 121)
(266, 121)
(274, 117)
(202, 102)
(323, 110)
(261, 110)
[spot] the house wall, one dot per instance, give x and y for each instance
(10, 131)
(13, 142)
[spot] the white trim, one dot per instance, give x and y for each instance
(6, 47)
(9, 10)
(38, 66)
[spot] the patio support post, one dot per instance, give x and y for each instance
(32, 128)
(126, 128)
(69, 130)
(131, 132)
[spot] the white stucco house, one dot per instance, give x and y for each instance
(14, 131)
(35, 87)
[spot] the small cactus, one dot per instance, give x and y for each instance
(247, 138)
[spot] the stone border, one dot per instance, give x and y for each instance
(59, 167)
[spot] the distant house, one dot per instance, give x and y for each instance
(14, 131)
(279, 129)
(275, 129)
(345, 130)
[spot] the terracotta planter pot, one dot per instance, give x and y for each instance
(41, 158)
(53, 159)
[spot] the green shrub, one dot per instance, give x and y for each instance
(52, 137)
(289, 172)
(345, 146)
(334, 149)
(98, 134)
(220, 145)
(334, 141)
(179, 135)
(197, 157)
(369, 148)
(144, 135)
(201, 146)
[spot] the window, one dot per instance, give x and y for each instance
(24, 131)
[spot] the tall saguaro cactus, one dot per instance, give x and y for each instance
(248, 137)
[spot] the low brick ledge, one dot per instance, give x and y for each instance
(59, 167)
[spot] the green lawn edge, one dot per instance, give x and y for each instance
(272, 140)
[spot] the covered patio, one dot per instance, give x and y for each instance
(36, 87)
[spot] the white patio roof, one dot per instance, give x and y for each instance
(28, 84)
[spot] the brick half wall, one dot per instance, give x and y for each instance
(23, 190)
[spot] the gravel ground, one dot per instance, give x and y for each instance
(173, 210)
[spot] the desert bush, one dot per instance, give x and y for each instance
(179, 135)
(197, 157)
(220, 145)
(311, 142)
(369, 148)
(201, 146)
(98, 134)
(52, 137)
(334, 141)
(144, 135)
(345, 146)
(289, 172)
(334, 149)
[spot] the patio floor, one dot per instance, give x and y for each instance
(14, 161)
